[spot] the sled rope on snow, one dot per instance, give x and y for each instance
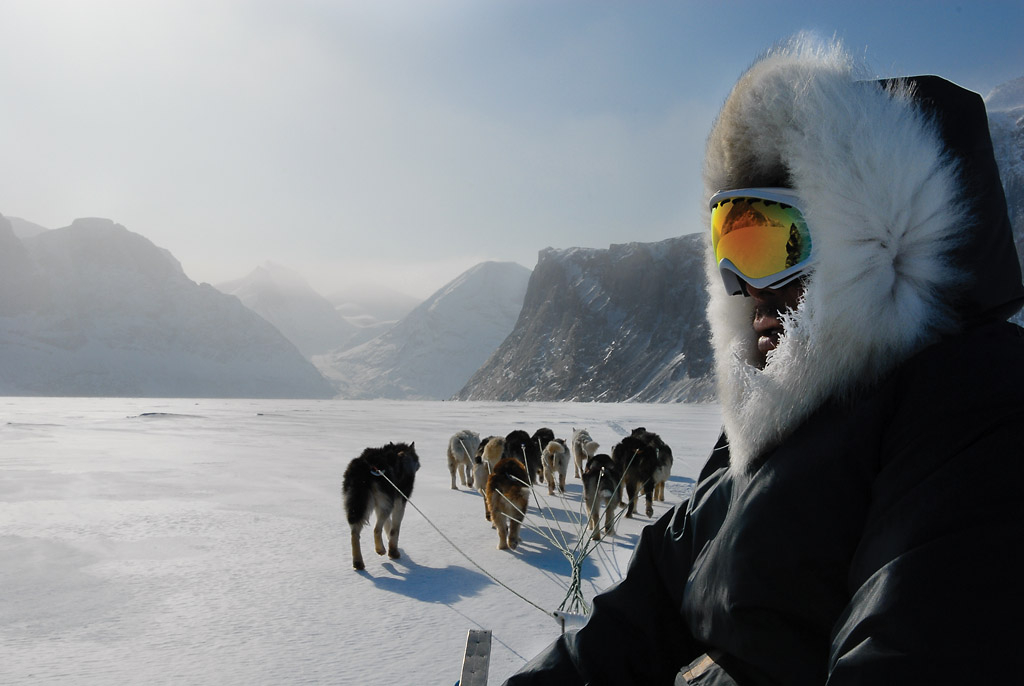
(464, 554)
(574, 600)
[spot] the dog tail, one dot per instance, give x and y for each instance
(355, 491)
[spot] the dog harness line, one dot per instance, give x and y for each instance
(462, 552)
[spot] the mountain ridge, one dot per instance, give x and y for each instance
(282, 297)
(620, 324)
(97, 310)
(430, 352)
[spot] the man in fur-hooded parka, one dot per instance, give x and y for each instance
(861, 519)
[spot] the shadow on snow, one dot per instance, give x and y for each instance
(429, 584)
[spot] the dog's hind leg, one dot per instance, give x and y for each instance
(513, 532)
(453, 466)
(631, 493)
(609, 517)
(499, 517)
(592, 501)
(383, 517)
(500, 522)
(394, 528)
(357, 553)
(355, 494)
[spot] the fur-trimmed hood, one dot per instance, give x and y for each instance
(911, 240)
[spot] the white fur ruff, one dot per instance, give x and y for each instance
(880, 199)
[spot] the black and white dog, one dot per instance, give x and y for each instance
(365, 489)
(664, 460)
(602, 484)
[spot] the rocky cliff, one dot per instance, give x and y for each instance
(626, 323)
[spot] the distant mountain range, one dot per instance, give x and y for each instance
(94, 309)
(286, 300)
(314, 323)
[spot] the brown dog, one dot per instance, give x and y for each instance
(508, 494)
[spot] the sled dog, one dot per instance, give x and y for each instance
(462, 448)
(541, 437)
(487, 456)
(520, 446)
(508, 494)
(580, 452)
(365, 489)
(602, 484)
(637, 460)
(556, 464)
(491, 450)
(664, 460)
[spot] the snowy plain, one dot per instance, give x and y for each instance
(176, 541)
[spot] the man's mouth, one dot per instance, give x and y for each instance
(768, 328)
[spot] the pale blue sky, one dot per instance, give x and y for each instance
(401, 142)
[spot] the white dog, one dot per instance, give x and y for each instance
(462, 448)
(556, 462)
(583, 448)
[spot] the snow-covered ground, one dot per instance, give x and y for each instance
(202, 541)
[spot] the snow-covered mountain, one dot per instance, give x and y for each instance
(431, 352)
(373, 311)
(1007, 96)
(94, 309)
(287, 301)
(626, 323)
(1005, 106)
(380, 306)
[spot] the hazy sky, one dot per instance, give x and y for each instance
(403, 141)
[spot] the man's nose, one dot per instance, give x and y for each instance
(761, 294)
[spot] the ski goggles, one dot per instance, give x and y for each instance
(759, 237)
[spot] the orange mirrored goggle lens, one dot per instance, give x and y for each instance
(759, 237)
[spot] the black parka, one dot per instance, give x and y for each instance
(876, 536)
(880, 544)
